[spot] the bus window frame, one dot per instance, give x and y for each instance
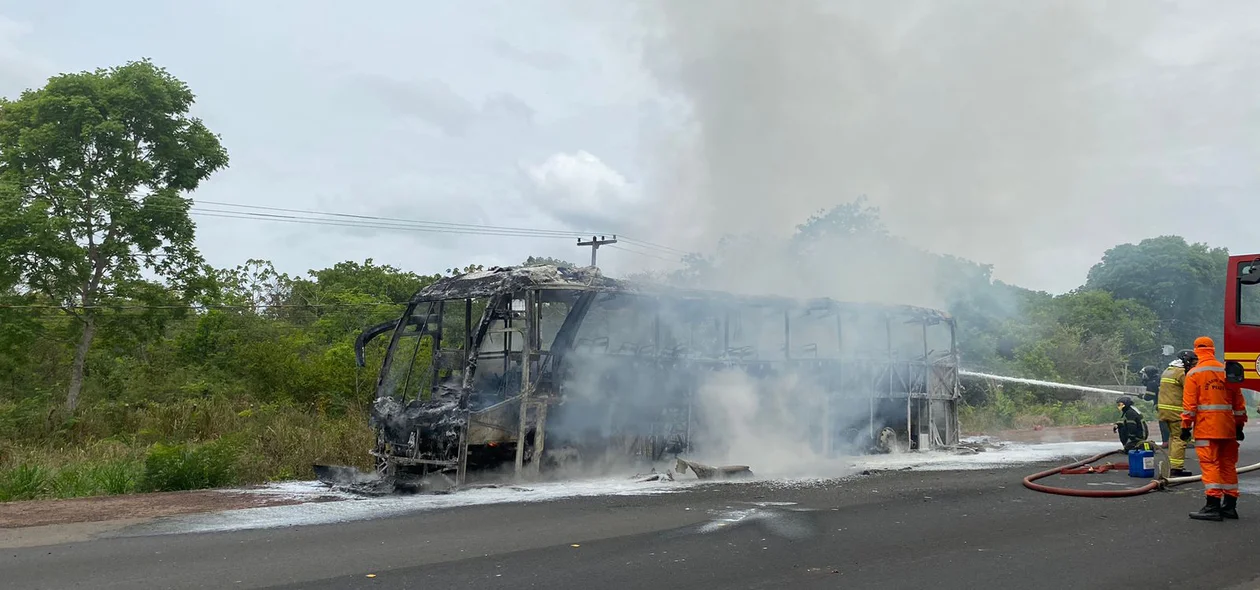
(1238, 294)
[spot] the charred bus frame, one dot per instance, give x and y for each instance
(455, 394)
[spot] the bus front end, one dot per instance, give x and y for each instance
(1242, 321)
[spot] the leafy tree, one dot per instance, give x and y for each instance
(467, 269)
(253, 287)
(1184, 284)
(1069, 354)
(548, 261)
(94, 167)
(383, 283)
(848, 219)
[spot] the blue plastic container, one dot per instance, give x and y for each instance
(1142, 464)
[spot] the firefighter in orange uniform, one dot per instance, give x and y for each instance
(1215, 411)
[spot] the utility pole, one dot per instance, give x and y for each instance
(595, 244)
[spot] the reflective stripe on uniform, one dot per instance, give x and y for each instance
(1167, 380)
(1170, 407)
(1201, 442)
(1199, 369)
(1221, 486)
(1240, 412)
(1188, 413)
(1214, 407)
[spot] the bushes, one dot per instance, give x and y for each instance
(121, 448)
(116, 478)
(190, 467)
(26, 482)
(1020, 409)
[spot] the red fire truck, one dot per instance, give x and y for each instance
(1242, 321)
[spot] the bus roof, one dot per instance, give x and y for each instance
(500, 280)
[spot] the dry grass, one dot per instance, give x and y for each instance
(113, 449)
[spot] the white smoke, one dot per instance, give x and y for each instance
(1011, 133)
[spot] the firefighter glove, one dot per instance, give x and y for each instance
(1185, 434)
(1238, 433)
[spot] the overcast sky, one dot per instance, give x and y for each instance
(1029, 135)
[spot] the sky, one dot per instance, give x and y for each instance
(1032, 136)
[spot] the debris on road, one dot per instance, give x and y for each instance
(703, 471)
(652, 476)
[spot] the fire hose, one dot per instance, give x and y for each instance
(1155, 484)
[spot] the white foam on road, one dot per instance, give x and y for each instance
(1007, 455)
(352, 507)
(297, 490)
(360, 508)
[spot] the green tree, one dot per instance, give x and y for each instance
(254, 287)
(383, 283)
(1184, 284)
(548, 261)
(94, 167)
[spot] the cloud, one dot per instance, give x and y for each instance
(508, 106)
(543, 60)
(19, 69)
(431, 101)
(434, 102)
(581, 191)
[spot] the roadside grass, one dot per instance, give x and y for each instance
(1016, 409)
(120, 449)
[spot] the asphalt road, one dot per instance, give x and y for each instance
(969, 530)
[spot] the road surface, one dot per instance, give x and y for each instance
(906, 529)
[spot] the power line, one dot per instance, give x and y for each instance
(448, 224)
(353, 220)
(488, 231)
(653, 246)
(558, 233)
(624, 249)
(375, 225)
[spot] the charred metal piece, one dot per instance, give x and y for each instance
(703, 471)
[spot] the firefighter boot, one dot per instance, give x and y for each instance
(1209, 511)
(1229, 508)
(1179, 472)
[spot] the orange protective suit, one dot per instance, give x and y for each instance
(1216, 410)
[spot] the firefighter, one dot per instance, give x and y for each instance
(1131, 427)
(1169, 406)
(1214, 411)
(1152, 381)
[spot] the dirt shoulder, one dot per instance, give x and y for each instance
(131, 507)
(1054, 434)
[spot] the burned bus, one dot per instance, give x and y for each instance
(531, 368)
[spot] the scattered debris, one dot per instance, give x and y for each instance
(887, 442)
(875, 471)
(703, 471)
(350, 479)
(653, 476)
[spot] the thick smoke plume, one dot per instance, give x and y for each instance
(1028, 135)
(987, 129)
